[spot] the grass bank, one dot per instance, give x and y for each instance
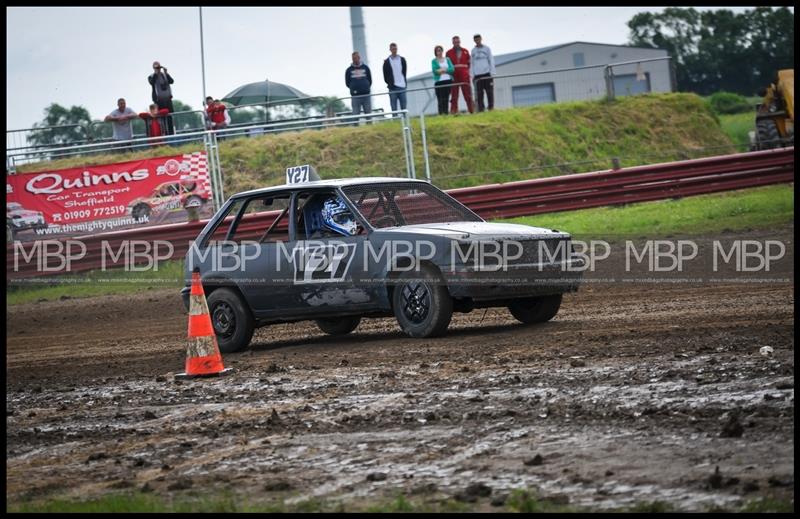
(737, 126)
(756, 208)
(473, 149)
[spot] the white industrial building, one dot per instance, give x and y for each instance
(567, 72)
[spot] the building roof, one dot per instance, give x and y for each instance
(503, 59)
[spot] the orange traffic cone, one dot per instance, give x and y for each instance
(202, 354)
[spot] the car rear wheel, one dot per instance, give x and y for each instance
(231, 319)
(536, 309)
(193, 201)
(422, 305)
(339, 325)
(140, 211)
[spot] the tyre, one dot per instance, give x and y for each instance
(767, 134)
(232, 321)
(140, 211)
(339, 325)
(535, 309)
(421, 303)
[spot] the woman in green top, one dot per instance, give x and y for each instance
(443, 76)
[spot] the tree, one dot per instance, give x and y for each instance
(772, 44)
(61, 126)
(186, 121)
(245, 115)
(316, 106)
(720, 50)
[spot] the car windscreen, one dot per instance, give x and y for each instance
(396, 204)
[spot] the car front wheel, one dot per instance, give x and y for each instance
(422, 305)
(536, 309)
(232, 321)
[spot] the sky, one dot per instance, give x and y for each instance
(91, 56)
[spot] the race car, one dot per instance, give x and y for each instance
(169, 196)
(335, 251)
(18, 218)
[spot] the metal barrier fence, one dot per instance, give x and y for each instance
(210, 141)
(590, 82)
(510, 90)
(564, 193)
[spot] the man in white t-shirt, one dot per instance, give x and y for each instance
(394, 74)
(483, 70)
(120, 120)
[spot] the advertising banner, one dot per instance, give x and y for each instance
(95, 199)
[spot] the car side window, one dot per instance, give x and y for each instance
(265, 219)
(220, 232)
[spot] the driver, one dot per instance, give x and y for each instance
(327, 215)
(337, 217)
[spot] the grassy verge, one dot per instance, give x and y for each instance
(737, 126)
(524, 501)
(756, 208)
(96, 283)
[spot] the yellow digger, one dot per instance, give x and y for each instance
(775, 115)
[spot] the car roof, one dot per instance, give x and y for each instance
(339, 182)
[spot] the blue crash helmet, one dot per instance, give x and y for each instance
(329, 213)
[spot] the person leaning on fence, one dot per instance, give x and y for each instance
(217, 116)
(160, 81)
(394, 74)
(155, 123)
(120, 120)
(460, 59)
(483, 71)
(443, 77)
(358, 79)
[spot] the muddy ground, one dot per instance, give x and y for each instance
(631, 394)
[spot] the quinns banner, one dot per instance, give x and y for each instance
(105, 198)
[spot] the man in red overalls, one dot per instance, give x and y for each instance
(460, 59)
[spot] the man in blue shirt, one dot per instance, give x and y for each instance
(358, 79)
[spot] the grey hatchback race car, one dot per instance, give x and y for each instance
(338, 250)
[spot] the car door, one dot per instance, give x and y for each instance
(257, 250)
(328, 267)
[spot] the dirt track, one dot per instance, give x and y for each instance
(624, 396)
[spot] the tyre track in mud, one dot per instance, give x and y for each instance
(144, 334)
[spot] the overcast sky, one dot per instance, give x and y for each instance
(91, 56)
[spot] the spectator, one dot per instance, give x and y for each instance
(443, 77)
(160, 80)
(217, 114)
(155, 123)
(460, 59)
(358, 79)
(482, 72)
(120, 120)
(394, 73)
